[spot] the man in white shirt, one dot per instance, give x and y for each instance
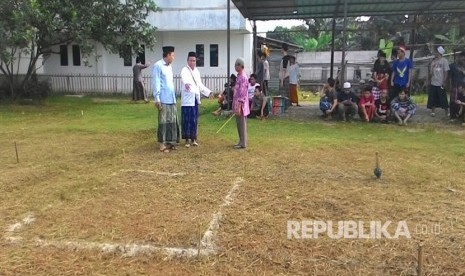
(294, 73)
(192, 87)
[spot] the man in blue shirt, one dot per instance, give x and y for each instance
(165, 101)
(401, 78)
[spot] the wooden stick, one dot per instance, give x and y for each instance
(225, 123)
(420, 259)
(16, 149)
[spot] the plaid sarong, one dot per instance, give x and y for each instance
(168, 127)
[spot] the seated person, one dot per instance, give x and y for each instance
(223, 98)
(347, 103)
(366, 105)
(403, 107)
(460, 101)
(252, 84)
(383, 108)
(259, 108)
(328, 100)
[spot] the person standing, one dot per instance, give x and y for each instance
(437, 96)
(457, 78)
(401, 77)
(192, 87)
(259, 72)
(294, 73)
(266, 73)
(283, 71)
(241, 106)
(138, 90)
(165, 101)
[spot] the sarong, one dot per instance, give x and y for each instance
(168, 127)
(293, 93)
(189, 121)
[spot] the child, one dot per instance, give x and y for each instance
(328, 100)
(227, 94)
(461, 103)
(367, 105)
(403, 107)
(252, 84)
(383, 108)
(259, 108)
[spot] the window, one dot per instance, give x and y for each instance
(199, 51)
(76, 55)
(141, 54)
(64, 55)
(125, 53)
(213, 55)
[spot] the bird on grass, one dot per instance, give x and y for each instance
(377, 170)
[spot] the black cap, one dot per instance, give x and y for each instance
(168, 49)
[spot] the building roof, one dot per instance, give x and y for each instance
(277, 44)
(302, 9)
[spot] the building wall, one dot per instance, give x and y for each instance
(183, 41)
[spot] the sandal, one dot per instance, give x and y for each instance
(188, 145)
(195, 144)
(172, 147)
(165, 150)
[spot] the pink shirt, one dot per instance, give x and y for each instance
(241, 93)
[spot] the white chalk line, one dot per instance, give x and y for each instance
(207, 243)
(11, 229)
(155, 172)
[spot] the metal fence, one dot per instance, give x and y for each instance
(115, 84)
(312, 75)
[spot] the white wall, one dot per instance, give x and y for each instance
(21, 65)
(184, 42)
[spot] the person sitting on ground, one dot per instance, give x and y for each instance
(259, 108)
(367, 105)
(383, 108)
(223, 99)
(460, 102)
(347, 103)
(328, 100)
(252, 84)
(403, 107)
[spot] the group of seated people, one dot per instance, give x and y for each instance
(368, 105)
(257, 100)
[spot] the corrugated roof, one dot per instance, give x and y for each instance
(301, 9)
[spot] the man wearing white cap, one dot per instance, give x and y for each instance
(437, 96)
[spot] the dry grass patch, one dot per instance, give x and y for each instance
(89, 179)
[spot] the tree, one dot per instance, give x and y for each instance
(33, 27)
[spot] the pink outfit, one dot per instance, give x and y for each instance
(241, 93)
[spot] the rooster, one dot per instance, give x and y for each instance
(377, 170)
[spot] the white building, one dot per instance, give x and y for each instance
(198, 26)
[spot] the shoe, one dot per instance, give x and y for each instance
(195, 144)
(188, 145)
(433, 114)
(164, 149)
(238, 147)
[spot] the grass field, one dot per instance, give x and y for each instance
(92, 195)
